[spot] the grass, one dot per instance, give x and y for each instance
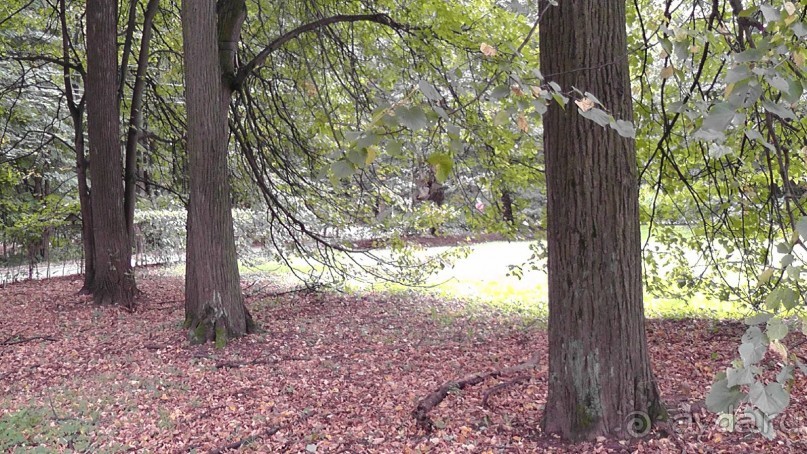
(483, 280)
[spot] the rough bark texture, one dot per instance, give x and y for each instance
(114, 280)
(599, 371)
(214, 306)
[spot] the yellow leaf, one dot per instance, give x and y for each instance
(516, 89)
(798, 58)
(522, 123)
(584, 104)
(372, 152)
(790, 8)
(729, 89)
(779, 348)
(488, 50)
(667, 72)
(765, 276)
(536, 91)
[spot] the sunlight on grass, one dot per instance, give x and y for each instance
(483, 280)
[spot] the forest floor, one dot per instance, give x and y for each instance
(331, 373)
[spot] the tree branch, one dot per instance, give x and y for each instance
(44, 59)
(278, 42)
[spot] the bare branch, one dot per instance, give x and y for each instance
(259, 59)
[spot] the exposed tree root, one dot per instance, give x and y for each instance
(421, 412)
(21, 340)
(237, 364)
(501, 387)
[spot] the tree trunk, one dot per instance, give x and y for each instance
(85, 206)
(114, 279)
(507, 207)
(599, 370)
(76, 109)
(136, 119)
(214, 306)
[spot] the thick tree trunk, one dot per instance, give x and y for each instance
(599, 370)
(114, 279)
(214, 306)
(136, 119)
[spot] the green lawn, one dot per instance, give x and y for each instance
(483, 279)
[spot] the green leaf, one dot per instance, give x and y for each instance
(737, 74)
(357, 157)
(502, 118)
(722, 398)
(779, 83)
(779, 109)
(758, 319)
(394, 148)
(771, 399)
(781, 296)
(367, 139)
(737, 377)
(624, 128)
(786, 374)
(429, 91)
(560, 99)
(442, 164)
(413, 118)
(596, 115)
(770, 13)
(500, 92)
(342, 169)
(776, 330)
(794, 92)
(801, 227)
(752, 353)
(719, 117)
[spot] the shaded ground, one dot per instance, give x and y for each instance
(331, 374)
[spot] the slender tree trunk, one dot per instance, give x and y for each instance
(114, 279)
(214, 306)
(599, 370)
(85, 205)
(76, 108)
(507, 207)
(136, 119)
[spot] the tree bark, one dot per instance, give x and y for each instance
(76, 108)
(114, 279)
(136, 119)
(214, 305)
(599, 370)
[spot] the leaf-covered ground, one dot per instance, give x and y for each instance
(331, 373)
